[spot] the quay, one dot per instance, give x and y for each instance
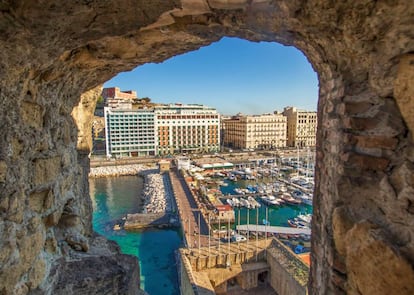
(194, 225)
(146, 220)
(274, 229)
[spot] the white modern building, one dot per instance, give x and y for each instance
(130, 133)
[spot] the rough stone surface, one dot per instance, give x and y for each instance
(53, 52)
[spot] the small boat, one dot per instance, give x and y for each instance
(289, 199)
(295, 222)
(307, 218)
(239, 191)
(270, 200)
(253, 202)
(232, 177)
(230, 202)
(236, 202)
(245, 203)
(306, 199)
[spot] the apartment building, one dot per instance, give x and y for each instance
(301, 127)
(130, 133)
(266, 131)
(187, 129)
(161, 130)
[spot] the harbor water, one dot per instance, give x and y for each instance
(113, 198)
(276, 216)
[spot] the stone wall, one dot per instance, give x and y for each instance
(52, 52)
(288, 274)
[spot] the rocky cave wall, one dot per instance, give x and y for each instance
(55, 51)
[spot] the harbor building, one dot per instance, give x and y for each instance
(265, 131)
(301, 127)
(130, 133)
(188, 128)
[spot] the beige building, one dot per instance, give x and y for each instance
(187, 129)
(255, 131)
(301, 127)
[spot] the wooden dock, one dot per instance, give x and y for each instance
(274, 229)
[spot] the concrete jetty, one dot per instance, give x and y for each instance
(274, 229)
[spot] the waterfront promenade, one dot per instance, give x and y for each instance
(189, 213)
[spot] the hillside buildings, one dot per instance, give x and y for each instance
(115, 98)
(266, 131)
(301, 127)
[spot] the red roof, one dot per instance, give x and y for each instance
(224, 208)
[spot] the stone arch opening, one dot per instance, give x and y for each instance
(53, 55)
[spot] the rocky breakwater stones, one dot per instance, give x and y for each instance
(154, 195)
(157, 203)
(105, 171)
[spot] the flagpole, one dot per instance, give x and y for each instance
(209, 234)
(248, 230)
(238, 228)
(228, 232)
(257, 225)
(199, 233)
(219, 234)
(267, 209)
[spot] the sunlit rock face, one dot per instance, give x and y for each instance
(53, 52)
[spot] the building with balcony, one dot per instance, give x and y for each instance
(130, 133)
(187, 129)
(266, 131)
(301, 127)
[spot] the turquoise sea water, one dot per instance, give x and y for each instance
(112, 199)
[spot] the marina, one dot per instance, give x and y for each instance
(214, 209)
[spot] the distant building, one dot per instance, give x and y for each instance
(266, 131)
(130, 133)
(115, 98)
(187, 129)
(301, 127)
(115, 92)
(223, 118)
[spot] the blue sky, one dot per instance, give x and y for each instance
(232, 75)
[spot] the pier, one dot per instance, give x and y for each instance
(274, 229)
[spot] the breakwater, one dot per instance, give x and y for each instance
(158, 204)
(120, 170)
(155, 196)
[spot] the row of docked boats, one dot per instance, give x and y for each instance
(249, 203)
(301, 221)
